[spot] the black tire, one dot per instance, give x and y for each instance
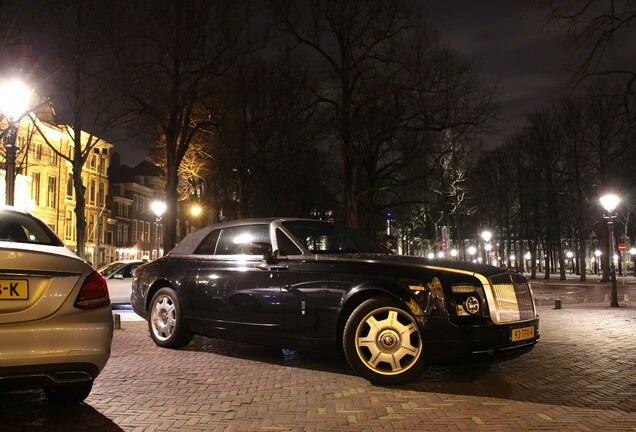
(382, 342)
(68, 393)
(165, 320)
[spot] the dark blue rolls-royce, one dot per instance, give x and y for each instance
(319, 286)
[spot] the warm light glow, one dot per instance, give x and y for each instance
(453, 252)
(569, 254)
(14, 99)
(196, 210)
(431, 255)
(472, 250)
(486, 235)
(609, 202)
(158, 208)
(632, 251)
(488, 246)
(528, 256)
(513, 257)
(597, 253)
(440, 254)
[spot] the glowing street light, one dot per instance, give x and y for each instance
(158, 208)
(609, 203)
(486, 236)
(196, 210)
(14, 103)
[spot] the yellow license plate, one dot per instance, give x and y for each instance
(14, 289)
(522, 333)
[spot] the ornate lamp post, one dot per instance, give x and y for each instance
(609, 203)
(14, 102)
(158, 208)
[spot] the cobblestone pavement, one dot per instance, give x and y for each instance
(580, 377)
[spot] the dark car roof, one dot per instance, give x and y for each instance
(193, 239)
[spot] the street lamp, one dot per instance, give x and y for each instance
(609, 203)
(570, 256)
(472, 250)
(486, 236)
(14, 102)
(158, 208)
(196, 210)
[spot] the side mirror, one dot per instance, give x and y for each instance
(118, 276)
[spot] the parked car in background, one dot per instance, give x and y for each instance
(56, 322)
(312, 285)
(119, 276)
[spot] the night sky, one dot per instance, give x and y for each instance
(508, 39)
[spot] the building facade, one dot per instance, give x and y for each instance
(44, 184)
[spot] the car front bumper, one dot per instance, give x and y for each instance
(445, 341)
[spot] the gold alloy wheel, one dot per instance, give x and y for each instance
(163, 317)
(387, 341)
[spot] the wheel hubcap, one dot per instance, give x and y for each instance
(388, 341)
(163, 318)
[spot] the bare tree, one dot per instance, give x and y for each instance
(601, 33)
(345, 42)
(172, 53)
(74, 64)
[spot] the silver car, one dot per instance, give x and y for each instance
(119, 276)
(56, 322)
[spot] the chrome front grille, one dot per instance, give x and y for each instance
(513, 299)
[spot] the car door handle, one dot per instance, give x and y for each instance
(273, 267)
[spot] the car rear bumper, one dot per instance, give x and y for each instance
(67, 347)
(49, 375)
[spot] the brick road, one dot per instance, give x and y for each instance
(581, 377)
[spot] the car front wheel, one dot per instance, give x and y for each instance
(166, 324)
(382, 342)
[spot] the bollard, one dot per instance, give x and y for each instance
(606, 298)
(626, 297)
(586, 299)
(557, 303)
(117, 321)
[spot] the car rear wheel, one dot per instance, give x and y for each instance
(68, 393)
(382, 342)
(166, 324)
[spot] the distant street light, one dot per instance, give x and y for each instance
(14, 103)
(486, 236)
(609, 203)
(472, 250)
(196, 210)
(570, 256)
(158, 208)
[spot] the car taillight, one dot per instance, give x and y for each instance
(93, 293)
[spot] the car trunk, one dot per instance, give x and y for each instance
(35, 280)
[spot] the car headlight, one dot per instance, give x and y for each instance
(472, 305)
(468, 299)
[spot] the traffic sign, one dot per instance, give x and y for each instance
(622, 247)
(492, 254)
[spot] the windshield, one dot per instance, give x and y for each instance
(328, 238)
(109, 269)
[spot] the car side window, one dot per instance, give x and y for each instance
(240, 240)
(286, 247)
(208, 245)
